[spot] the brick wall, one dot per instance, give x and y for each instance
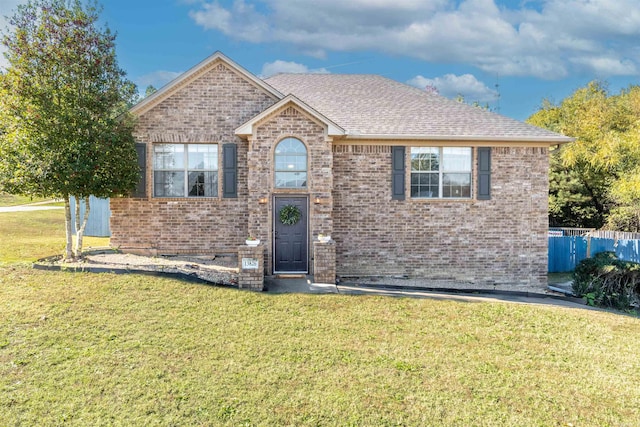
(206, 110)
(497, 241)
(502, 240)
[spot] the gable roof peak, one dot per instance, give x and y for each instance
(208, 63)
(332, 129)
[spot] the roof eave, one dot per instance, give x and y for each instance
(552, 140)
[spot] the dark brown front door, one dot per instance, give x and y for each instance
(291, 244)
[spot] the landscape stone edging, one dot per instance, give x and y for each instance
(48, 264)
(190, 277)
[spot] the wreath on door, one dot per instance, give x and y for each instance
(290, 215)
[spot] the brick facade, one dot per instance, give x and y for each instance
(289, 122)
(206, 109)
(497, 241)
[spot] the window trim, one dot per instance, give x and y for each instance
(186, 170)
(440, 173)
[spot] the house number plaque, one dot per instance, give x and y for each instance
(249, 264)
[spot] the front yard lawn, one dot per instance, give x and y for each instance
(11, 200)
(83, 349)
(29, 236)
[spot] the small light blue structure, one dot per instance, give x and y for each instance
(99, 215)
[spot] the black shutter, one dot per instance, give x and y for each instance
(398, 175)
(229, 171)
(141, 187)
(484, 173)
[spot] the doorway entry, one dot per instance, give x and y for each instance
(291, 238)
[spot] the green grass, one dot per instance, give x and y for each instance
(126, 350)
(28, 236)
(11, 200)
(87, 349)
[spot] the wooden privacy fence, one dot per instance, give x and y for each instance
(565, 252)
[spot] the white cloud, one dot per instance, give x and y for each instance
(241, 19)
(607, 65)
(548, 39)
(451, 86)
(279, 66)
(157, 79)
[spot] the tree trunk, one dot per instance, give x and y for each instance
(68, 255)
(80, 228)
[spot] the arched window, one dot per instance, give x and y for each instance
(291, 164)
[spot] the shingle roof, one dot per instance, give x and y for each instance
(365, 104)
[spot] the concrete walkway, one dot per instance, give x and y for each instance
(306, 285)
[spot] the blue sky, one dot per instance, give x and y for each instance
(523, 50)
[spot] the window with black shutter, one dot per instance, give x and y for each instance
(398, 173)
(230, 171)
(484, 173)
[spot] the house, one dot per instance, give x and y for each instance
(406, 182)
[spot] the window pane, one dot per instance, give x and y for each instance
(456, 185)
(168, 184)
(201, 164)
(291, 179)
(456, 159)
(203, 184)
(290, 164)
(425, 159)
(203, 156)
(291, 146)
(424, 185)
(168, 156)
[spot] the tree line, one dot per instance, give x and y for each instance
(594, 182)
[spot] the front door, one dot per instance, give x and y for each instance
(290, 247)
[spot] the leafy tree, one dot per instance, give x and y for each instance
(64, 129)
(150, 90)
(592, 180)
(574, 198)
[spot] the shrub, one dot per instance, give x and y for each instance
(607, 281)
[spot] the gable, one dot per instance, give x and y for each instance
(206, 107)
(215, 61)
(290, 101)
